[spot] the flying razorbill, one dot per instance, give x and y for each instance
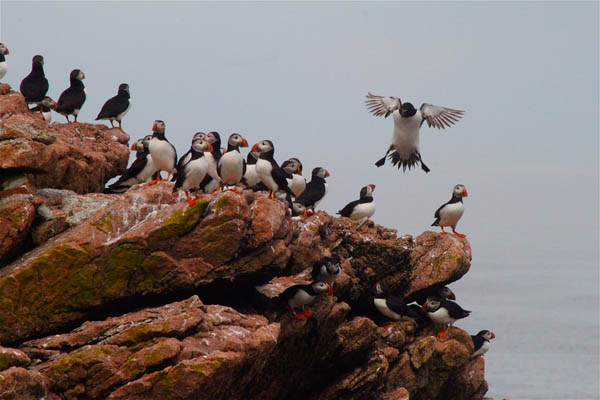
(404, 149)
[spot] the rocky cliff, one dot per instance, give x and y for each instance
(140, 296)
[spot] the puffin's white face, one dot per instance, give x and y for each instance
(81, 75)
(299, 209)
(211, 138)
(199, 136)
(333, 268)
(292, 166)
(460, 191)
(487, 335)
(3, 49)
(432, 304)
(446, 293)
(320, 172)
(202, 146)
(138, 145)
(320, 287)
(159, 126)
(146, 140)
(237, 140)
(48, 102)
(263, 146)
(379, 288)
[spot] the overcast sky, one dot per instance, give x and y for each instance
(526, 74)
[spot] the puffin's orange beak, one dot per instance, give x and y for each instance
(7, 52)
(452, 296)
(305, 213)
(210, 147)
(244, 143)
(300, 171)
(493, 336)
(155, 126)
(465, 193)
(372, 186)
(254, 148)
(133, 146)
(424, 306)
(82, 75)
(326, 173)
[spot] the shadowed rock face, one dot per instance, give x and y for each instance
(140, 296)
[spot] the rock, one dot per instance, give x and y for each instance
(16, 217)
(22, 384)
(76, 156)
(12, 358)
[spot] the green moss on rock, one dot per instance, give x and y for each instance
(177, 224)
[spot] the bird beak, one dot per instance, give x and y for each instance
(82, 75)
(372, 186)
(305, 213)
(155, 126)
(210, 147)
(300, 171)
(493, 336)
(452, 296)
(326, 173)
(464, 193)
(255, 148)
(133, 146)
(244, 143)
(6, 51)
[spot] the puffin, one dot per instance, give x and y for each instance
(444, 312)
(72, 99)
(187, 156)
(391, 306)
(141, 170)
(361, 209)
(193, 172)
(3, 64)
(163, 153)
(232, 166)
(408, 120)
(481, 342)
(301, 296)
(211, 182)
(298, 210)
(449, 213)
(315, 190)
(293, 166)
(269, 172)
(46, 107)
(420, 297)
(250, 177)
(35, 85)
(327, 270)
(116, 107)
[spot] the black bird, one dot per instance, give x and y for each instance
(3, 64)
(35, 85)
(301, 296)
(72, 99)
(481, 342)
(449, 214)
(407, 123)
(315, 190)
(444, 312)
(443, 292)
(116, 107)
(269, 171)
(391, 306)
(361, 209)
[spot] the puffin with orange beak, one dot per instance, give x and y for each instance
(293, 166)
(232, 166)
(449, 214)
(115, 108)
(444, 312)
(72, 98)
(361, 209)
(327, 270)
(195, 170)
(3, 63)
(315, 190)
(481, 342)
(163, 153)
(141, 170)
(269, 172)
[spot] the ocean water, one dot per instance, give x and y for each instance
(544, 313)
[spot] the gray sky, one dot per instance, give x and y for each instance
(526, 74)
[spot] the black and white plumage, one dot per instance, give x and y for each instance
(299, 296)
(35, 85)
(3, 64)
(444, 312)
(193, 172)
(391, 306)
(46, 107)
(188, 155)
(250, 176)
(481, 342)
(327, 270)
(163, 153)
(420, 297)
(449, 214)
(232, 166)
(361, 209)
(269, 172)
(408, 120)
(315, 190)
(116, 107)
(293, 166)
(298, 210)
(71, 99)
(141, 170)
(211, 182)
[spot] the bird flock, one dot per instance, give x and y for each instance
(207, 167)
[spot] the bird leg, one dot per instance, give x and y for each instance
(75, 116)
(361, 222)
(381, 161)
(271, 195)
(66, 116)
(120, 128)
(154, 181)
(111, 123)
(424, 167)
(462, 235)
(443, 231)
(235, 190)
(299, 315)
(443, 333)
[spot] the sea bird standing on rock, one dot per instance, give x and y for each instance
(232, 166)
(211, 182)
(3, 63)
(444, 312)
(187, 156)
(407, 123)
(361, 209)
(72, 99)
(269, 172)
(449, 213)
(250, 177)
(301, 296)
(141, 170)
(481, 342)
(327, 270)
(391, 306)
(193, 172)
(116, 107)
(315, 190)
(163, 153)
(35, 85)
(420, 297)
(293, 166)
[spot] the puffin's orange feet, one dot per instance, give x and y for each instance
(234, 190)
(462, 235)
(386, 326)
(310, 212)
(153, 181)
(443, 333)
(307, 313)
(300, 315)
(191, 202)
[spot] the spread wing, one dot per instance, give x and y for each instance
(346, 211)
(440, 117)
(382, 105)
